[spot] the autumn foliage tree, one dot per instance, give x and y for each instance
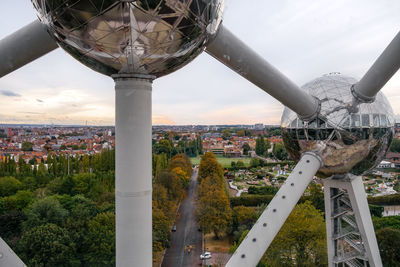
(214, 212)
(170, 182)
(301, 240)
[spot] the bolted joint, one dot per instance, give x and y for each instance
(315, 155)
(360, 98)
(313, 115)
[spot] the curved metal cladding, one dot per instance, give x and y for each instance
(349, 139)
(151, 37)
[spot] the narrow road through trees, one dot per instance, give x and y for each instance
(187, 233)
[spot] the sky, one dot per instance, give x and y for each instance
(304, 39)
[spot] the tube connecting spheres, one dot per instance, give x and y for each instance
(150, 37)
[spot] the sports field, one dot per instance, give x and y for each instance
(225, 162)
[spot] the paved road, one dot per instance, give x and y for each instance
(186, 233)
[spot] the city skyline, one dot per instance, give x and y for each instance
(304, 40)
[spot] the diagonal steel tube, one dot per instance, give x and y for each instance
(271, 220)
(380, 72)
(24, 46)
(235, 54)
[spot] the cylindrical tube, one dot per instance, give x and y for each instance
(133, 183)
(235, 54)
(380, 73)
(24, 46)
(271, 220)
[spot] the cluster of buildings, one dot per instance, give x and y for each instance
(35, 142)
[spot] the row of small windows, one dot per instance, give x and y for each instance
(353, 120)
(349, 136)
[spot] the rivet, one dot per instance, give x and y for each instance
(254, 239)
(243, 256)
(264, 224)
(300, 172)
(274, 210)
(292, 184)
(308, 161)
(283, 197)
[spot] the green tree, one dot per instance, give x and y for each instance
(279, 151)
(9, 186)
(301, 241)
(260, 145)
(389, 243)
(20, 200)
(11, 225)
(199, 145)
(246, 148)
(395, 146)
(244, 215)
(397, 187)
(317, 196)
(100, 240)
(161, 229)
(164, 146)
(43, 211)
(47, 245)
(226, 134)
(27, 146)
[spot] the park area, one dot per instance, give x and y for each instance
(225, 162)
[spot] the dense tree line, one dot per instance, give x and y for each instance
(169, 185)
(214, 212)
(50, 218)
(58, 165)
(191, 148)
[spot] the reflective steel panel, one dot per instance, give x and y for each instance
(348, 139)
(152, 37)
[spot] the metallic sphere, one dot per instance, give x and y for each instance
(150, 37)
(349, 139)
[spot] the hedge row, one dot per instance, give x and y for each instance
(385, 200)
(257, 200)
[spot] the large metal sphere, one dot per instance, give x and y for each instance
(151, 37)
(348, 142)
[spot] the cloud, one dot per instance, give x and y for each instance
(27, 112)
(9, 93)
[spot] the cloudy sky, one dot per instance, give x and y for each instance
(302, 38)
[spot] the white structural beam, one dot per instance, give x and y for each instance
(133, 183)
(380, 73)
(24, 46)
(235, 54)
(271, 220)
(358, 199)
(8, 257)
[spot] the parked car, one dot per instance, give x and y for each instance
(205, 255)
(173, 228)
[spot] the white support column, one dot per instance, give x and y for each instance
(133, 183)
(271, 220)
(359, 205)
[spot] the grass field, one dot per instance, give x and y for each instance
(225, 162)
